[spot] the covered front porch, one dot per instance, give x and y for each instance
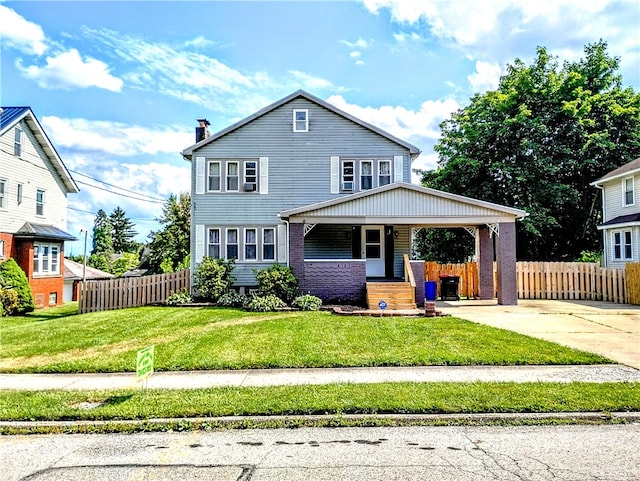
(351, 246)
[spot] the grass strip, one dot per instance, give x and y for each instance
(404, 398)
(214, 338)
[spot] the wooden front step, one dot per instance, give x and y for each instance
(397, 295)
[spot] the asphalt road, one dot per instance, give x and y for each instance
(535, 453)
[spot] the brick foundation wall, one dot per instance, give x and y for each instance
(337, 281)
(418, 274)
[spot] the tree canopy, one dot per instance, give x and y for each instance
(169, 246)
(122, 232)
(536, 143)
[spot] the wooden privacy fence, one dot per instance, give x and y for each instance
(570, 281)
(125, 292)
(468, 273)
(551, 280)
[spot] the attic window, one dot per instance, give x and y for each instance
(300, 120)
(17, 144)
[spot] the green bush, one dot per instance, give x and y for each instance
(589, 256)
(265, 303)
(8, 301)
(307, 302)
(278, 281)
(233, 299)
(177, 298)
(213, 278)
(15, 279)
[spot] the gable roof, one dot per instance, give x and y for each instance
(627, 169)
(403, 203)
(74, 270)
(10, 116)
(413, 150)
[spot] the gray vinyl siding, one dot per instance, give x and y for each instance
(614, 196)
(299, 162)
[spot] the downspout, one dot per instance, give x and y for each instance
(288, 236)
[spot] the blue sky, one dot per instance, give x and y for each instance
(118, 85)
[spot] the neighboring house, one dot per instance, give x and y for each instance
(620, 214)
(34, 184)
(303, 184)
(75, 273)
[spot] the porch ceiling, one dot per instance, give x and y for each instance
(404, 204)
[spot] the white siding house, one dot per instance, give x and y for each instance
(620, 214)
(34, 184)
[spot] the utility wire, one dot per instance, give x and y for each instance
(115, 186)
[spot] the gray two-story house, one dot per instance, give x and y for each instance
(304, 184)
(620, 214)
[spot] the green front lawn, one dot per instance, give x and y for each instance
(210, 338)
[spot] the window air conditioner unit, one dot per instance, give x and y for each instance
(347, 186)
(249, 186)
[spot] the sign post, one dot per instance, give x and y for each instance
(144, 363)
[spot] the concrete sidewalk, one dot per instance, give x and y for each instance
(611, 330)
(288, 377)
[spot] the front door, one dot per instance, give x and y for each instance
(373, 250)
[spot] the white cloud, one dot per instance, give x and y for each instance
(199, 42)
(486, 77)
(21, 34)
(400, 121)
(360, 43)
(68, 69)
(116, 138)
(310, 81)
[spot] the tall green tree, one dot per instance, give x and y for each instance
(122, 232)
(169, 246)
(102, 242)
(537, 142)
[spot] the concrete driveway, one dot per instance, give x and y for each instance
(611, 330)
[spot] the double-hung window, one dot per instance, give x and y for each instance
(300, 120)
(384, 172)
(628, 187)
(366, 174)
(19, 194)
(622, 245)
(39, 202)
(250, 244)
(268, 244)
(233, 176)
(348, 175)
(17, 143)
(213, 243)
(232, 243)
(46, 259)
(250, 175)
(214, 176)
(3, 194)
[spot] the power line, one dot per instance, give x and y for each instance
(156, 201)
(114, 186)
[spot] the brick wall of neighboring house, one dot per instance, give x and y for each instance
(337, 281)
(8, 245)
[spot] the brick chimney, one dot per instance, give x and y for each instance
(202, 132)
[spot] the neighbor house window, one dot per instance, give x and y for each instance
(268, 244)
(19, 194)
(53, 298)
(1, 249)
(348, 168)
(232, 243)
(250, 176)
(300, 120)
(46, 258)
(3, 194)
(40, 202)
(214, 176)
(628, 191)
(213, 243)
(622, 245)
(250, 244)
(233, 176)
(384, 172)
(17, 143)
(366, 174)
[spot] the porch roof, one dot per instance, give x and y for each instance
(402, 203)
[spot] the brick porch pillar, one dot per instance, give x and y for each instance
(296, 250)
(507, 282)
(484, 251)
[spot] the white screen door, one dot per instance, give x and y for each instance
(373, 250)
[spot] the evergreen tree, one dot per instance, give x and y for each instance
(122, 232)
(102, 241)
(169, 246)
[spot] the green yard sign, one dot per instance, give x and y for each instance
(144, 362)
